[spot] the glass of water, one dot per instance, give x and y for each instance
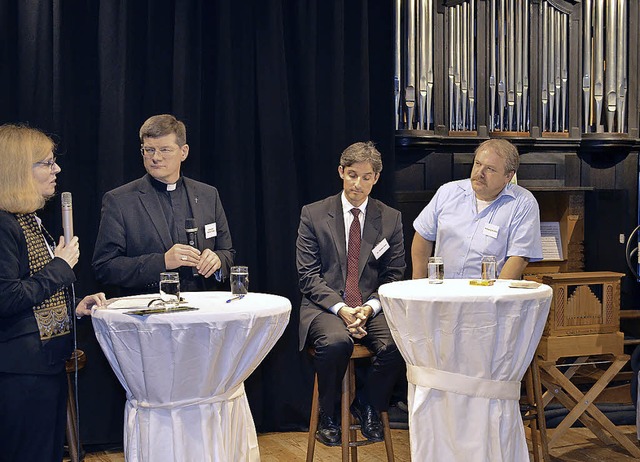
(170, 289)
(488, 268)
(436, 270)
(239, 280)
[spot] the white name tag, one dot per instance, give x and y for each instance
(381, 248)
(491, 230)
(210, 230)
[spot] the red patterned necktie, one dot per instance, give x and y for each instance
(352, 295)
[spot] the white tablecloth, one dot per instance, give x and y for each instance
(467, 348)
(183, 373)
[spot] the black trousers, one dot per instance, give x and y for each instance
(33, 412)
(333, 345)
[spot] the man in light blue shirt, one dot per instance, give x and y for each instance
(482, 215)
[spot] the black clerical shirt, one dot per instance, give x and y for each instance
(176, 209)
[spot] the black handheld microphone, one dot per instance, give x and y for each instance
(67, 216)
(192, 237)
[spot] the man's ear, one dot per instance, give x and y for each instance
(184, 151)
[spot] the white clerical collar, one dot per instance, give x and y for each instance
(162, 186)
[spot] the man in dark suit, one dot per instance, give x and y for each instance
(142, 229)
(348, 245)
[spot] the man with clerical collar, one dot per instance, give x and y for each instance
(143, 224)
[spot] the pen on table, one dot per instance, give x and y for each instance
(235, 297)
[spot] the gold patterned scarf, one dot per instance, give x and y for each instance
(51, 315)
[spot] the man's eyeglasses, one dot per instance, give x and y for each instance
(47, 163)
(148, 152)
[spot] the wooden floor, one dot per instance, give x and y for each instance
(578, 445)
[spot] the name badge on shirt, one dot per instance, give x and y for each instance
(381, 248)
(491, 230)
(210, 230)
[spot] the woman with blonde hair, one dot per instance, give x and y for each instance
(35, 326)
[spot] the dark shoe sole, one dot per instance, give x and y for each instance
(356, 414)
(371, 438)
(328, 443)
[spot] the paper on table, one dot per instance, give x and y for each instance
(148, 311)
(551, 240)
(131, 302)
(524, 284)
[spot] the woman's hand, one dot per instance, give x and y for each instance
(88, 302)
(68, 252)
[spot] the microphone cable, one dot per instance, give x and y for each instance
(76, 405)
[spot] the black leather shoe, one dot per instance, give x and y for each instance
(370, 424)
(328, 431)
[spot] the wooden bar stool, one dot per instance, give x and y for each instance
(534, 412)
(75, 449)
(348, 424)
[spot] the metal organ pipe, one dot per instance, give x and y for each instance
(604, 69)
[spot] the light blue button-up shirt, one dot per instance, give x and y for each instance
(509, 226)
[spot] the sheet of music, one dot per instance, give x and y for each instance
(551, 241)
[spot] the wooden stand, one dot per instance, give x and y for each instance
(583, 330)
(581, 405)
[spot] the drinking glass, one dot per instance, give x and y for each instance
(170, 289)
(436, 270)
(239, 280)
(488, 268)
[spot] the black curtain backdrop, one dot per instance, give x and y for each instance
(271, 92)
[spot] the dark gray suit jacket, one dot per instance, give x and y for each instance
(133, 234)
(321, 255)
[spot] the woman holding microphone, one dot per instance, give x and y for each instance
(35, 311)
